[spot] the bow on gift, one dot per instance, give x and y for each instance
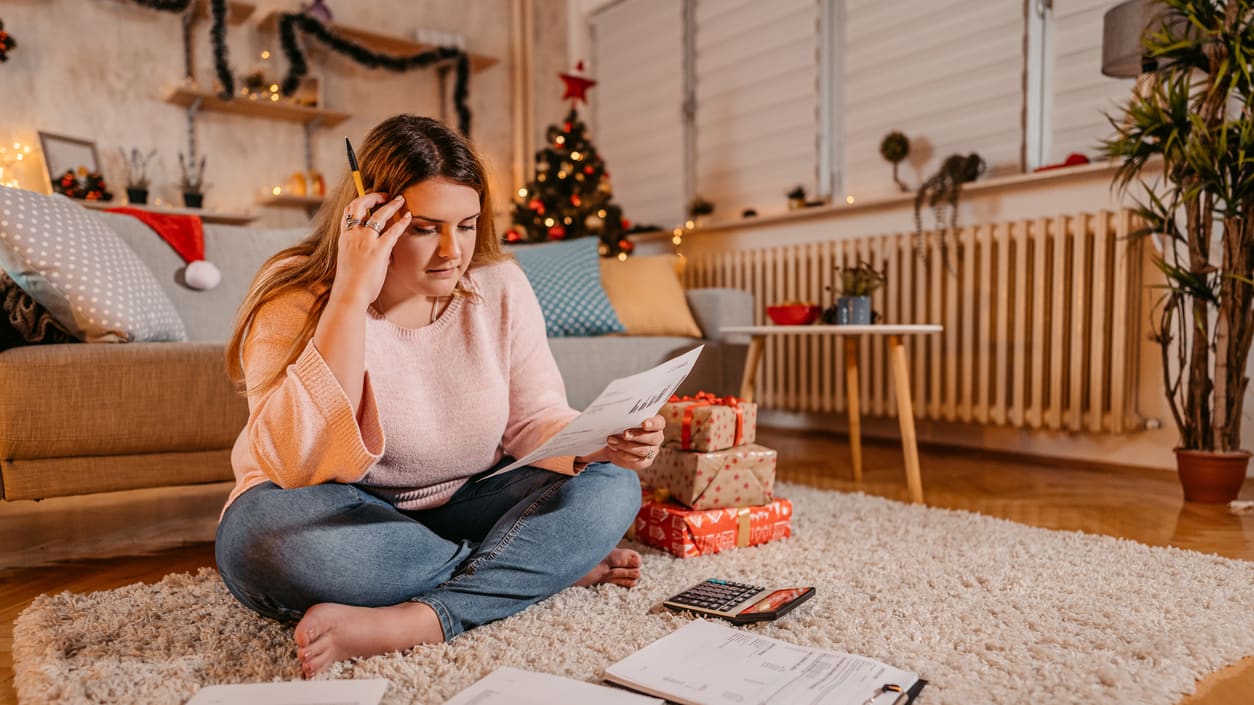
(708, 399)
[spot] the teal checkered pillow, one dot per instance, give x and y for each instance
(566, 277)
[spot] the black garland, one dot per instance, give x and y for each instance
(297, 67)
(221, 60)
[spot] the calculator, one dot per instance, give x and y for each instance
(739, 603)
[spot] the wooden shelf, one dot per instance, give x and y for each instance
(274, 110)
(237, 13)
(383, 43)
(287, 200)
(206, 216)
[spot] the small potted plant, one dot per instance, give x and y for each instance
(797, 197)
(192, 181)
(698, 209)
(137, 175)
(857, 283)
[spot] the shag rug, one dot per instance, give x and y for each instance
(988, 610)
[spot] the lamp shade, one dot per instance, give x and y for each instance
(1122, 28)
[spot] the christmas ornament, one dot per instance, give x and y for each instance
(7, 43)
(557, 232)
(626, 245)
(513, 235)
(577, 85)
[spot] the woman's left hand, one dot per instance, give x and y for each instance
(634, 448)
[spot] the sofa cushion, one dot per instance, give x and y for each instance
(647, 296)
(78, 269)
(238, 253)
(79, 400)
(566, 278)
(588, 364)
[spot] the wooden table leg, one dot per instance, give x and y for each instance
(749, 379)
(905, 417)
(851, 391)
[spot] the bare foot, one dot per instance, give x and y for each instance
(331, 632)
(621, 567)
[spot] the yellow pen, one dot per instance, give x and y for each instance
(352, 163)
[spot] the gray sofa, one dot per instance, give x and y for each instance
(78, 418)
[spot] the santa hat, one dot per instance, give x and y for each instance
(186, 235)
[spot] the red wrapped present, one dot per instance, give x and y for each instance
(706, 423)
(736, 477)
(694, 532)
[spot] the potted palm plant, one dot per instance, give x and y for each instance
(1192, 114)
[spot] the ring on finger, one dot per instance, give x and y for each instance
(350, 221)
(374, 225)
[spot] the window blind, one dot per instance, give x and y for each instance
(948, 74)
(1077, 94)
(639, 97)
(756, 117)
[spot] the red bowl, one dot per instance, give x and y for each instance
(793, 315)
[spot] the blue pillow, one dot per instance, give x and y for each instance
(566, 277)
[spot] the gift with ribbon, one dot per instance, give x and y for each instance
(705, 422)
(693, 532)
(734, 477)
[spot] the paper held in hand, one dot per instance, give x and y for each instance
(624, 404)
(710, 664)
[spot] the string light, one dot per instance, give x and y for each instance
(10, 156)
(576, 156)
(690, 224)
(622, 256)
(849, 200)
(276, 190)
(549, 222)
(265, 54)
(560, 140)
(522, 193)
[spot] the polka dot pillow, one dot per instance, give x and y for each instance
(82, 272)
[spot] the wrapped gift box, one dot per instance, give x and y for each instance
(736, 477)
(708, 423)
(694, 532)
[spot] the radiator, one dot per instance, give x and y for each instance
(1041, 321)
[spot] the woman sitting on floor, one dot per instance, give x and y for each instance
(391, 360)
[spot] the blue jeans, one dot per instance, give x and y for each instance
(495, 548)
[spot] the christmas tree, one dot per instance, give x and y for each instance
(569, 196)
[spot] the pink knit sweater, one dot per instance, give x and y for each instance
(440, 403)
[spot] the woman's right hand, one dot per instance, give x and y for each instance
(366, 250)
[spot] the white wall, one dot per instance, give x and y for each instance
(99, 69)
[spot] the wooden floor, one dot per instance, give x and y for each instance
(97, 543)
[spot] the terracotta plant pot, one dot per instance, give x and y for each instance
(1211, 478)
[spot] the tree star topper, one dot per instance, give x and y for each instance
(577, 84)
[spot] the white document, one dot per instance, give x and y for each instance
(624, 404)
(341, 692)
(511, 686)
(710, 664)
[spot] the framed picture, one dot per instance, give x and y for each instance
(63, 154)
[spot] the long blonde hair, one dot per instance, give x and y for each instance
(399, 152)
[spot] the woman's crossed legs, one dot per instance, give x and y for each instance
(364, 578)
